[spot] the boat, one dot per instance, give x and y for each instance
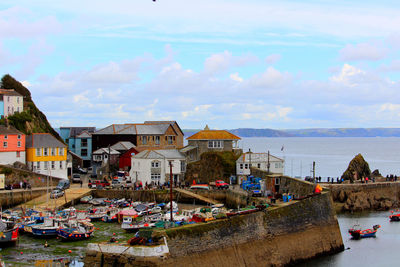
(8, 233)
(130, 225)
(111, 215)
(97, 214)
(74, 230)
(394, 217)
(86, 199)
(47, 229)
(357, 233)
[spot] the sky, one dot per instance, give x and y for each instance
(225, 63)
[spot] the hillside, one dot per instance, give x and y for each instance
(31, 120)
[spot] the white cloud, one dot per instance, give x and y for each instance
(270, 78)
(349, 75)
(363, 51)
(235, 76)
(219, 63)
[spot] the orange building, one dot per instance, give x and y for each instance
(12, 145)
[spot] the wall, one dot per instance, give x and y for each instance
(276, 237)
(19, 175)
(11, 157)
(10, 198)
(371, 196)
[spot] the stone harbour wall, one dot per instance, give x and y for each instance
(276, 237)
(11, 198)
(371, 196)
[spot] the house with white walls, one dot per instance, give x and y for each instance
(153, 166)
(10, 102)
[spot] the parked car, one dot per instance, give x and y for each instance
(219, 184)
(98, 184)
(82, 171)
(121, 184)
(56, 193)
(63, 184)
(76, 178)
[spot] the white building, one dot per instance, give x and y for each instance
(152, 166)
(260, 161)
(10, 102)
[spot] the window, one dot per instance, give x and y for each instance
(246, 166)
(17, 99)
(278, 165)
(38, 154)
(170, 140)
(155, 177)
(216, 144)
(241, 166)
(45, 151)
(46, 165)
(155, 164)
(53, 151)
(53, 165)
(84, 152)
(84, 142)
(8, 109)
(19, 136)
(8, 99)
(18, 154)
(19, 144)
(157, 140)
(61, 165)
(259, 165)
(5, 144)
(144, 140)
(61, 151)
(38, 165)
(5, 136)
(183, 166)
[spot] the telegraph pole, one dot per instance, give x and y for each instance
(268, 164)
(170, 188)
(250, 161)
(313, 170)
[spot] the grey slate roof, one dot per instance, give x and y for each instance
(104, 150)
(135, 129)
(10, 92)
(160, 154)
(74, 131)
(123, 145)
(38, 140)
(187, 148)
(9, 130)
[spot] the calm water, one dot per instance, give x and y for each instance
(331, 155)
(383, 250)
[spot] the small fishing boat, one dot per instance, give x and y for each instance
(8, 233)
(47, 229)
(74, 230)
(394, 217)
(111, 215)
(357, 233)
(97, 214)
(86, 199)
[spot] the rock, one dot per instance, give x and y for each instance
(358, 168)
(342, 196)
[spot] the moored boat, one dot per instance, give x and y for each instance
(357, 233)
(47, 229)
(8, 233)
(75, 230)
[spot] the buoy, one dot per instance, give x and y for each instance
(43, 232)
(113, 233)
(69, 251)
(22, 253)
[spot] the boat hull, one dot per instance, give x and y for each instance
(9, 237)
(64, 234)
(44, 232)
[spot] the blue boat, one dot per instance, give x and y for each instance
(358, 233)
(47, 229)
(74, 230)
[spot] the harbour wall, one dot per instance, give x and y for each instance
(279, 236)
(11, 198)
(232, 199)
(285, 234)
(362, 197)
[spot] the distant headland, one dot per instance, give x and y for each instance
(312, 132)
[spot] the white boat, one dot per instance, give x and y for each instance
(129, 224)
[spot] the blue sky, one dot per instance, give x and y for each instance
(228, 64)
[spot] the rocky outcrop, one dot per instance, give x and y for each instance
(357, 169)
(361, 197)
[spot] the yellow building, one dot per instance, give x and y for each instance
(46, 155)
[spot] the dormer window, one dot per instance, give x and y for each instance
(5, 136)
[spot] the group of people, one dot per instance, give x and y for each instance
(330, 180)
(20, 185)
(391, 178)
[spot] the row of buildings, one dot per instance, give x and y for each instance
(144, 149)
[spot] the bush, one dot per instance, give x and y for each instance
(7, 171)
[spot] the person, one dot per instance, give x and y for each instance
(366, 180)
(81, 182)
(328, 179)
(20, 185)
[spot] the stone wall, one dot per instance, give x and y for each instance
(276, 237)
(20, 175)
(11, 198)
(296, 187)
(371, 196)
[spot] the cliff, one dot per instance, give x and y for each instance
(31, 120)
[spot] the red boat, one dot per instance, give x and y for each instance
(358, 233)
(394, 217)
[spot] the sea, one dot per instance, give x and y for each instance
(331, 155)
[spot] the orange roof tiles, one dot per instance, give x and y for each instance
(213, 135)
